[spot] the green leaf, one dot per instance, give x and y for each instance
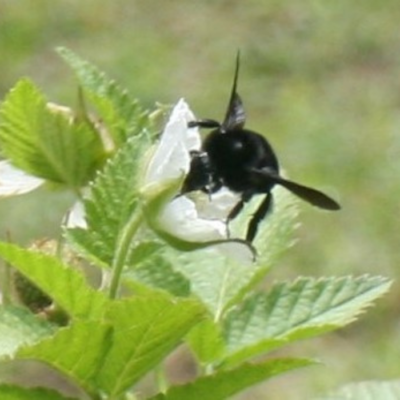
(111, 203)
(231, 277)
(146, 330)
(122, 115)
(10, 392)
(206, 341)
(149, 267)
(78, 351)
(47, 143)
(228, 277)
(370, 390)
(133, 337)
(275, 233)
(224, 384)
(19, 327)
(64, 284)
(294, 311)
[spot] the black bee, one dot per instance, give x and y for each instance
(244, 162)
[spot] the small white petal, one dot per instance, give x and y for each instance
(180, 218)
(14, 181)
(217, 205)
(172, 159)
(76, 216)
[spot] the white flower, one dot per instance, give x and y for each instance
(182, 217)
(171, 160)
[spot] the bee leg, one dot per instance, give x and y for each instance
(236, 210)
(258, 216)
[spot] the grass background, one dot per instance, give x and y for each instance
(320, 79)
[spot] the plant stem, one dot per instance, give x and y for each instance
(7, 280)
(161, 380)
(122, 250)
(6, 286)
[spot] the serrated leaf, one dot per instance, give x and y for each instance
(149, 267)
(231, 276)
(121, 114)
(146, 330)
(45, 143)
(145, 250)
(294, 311)
(228, 277)
(135, 336)
(369, 390)
(19, 327)
(11, 392)
(112, 201)
(222, 385)
(78, 351)
(64, 284)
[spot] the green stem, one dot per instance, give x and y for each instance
(7, 279)
(6, 285)
(122, 250)
(161, 380)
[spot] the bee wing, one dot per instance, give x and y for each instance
(235, 117)
(312, 196)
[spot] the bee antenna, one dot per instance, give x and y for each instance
(235, 116)
(235, 79)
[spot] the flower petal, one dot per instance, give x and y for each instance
(14, 181)
(172, 159)
(180, 219)
(217, 205)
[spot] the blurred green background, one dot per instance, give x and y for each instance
(320, 79)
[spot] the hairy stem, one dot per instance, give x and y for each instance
(122, 251)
